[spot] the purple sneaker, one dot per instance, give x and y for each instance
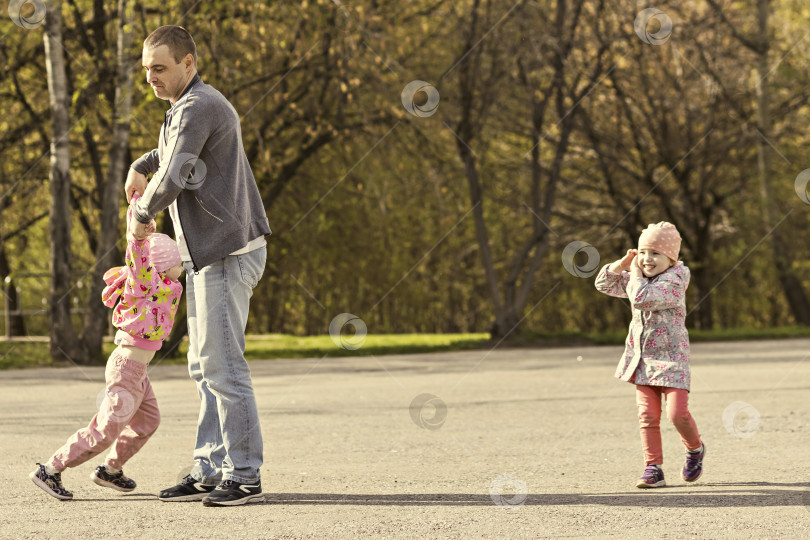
(693, 467)
(653, 477)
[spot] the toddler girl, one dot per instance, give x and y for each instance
(149, 294)
(656, 355)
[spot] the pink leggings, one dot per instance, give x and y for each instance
(648, 399)
(126, 419)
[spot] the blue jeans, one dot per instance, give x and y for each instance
(229, 439)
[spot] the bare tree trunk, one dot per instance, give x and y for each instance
(525, 265)
(466, 131)
(482, 236)
(791, 285)
(64, 342)
(760, 45)
(95, 321)
(509, 308)
(703, 278)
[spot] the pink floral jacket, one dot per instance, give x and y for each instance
(656, 350)
(148, 302)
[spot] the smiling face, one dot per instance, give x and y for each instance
(167, 77)
(652, 262)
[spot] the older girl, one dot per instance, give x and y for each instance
(656, 355)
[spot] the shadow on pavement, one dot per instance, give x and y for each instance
(745, 494)
(117, 498)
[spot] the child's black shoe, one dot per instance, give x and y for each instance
(50, 483)
(118, 481)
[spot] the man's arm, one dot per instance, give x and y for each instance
(184, 142)
(136, 183)
(140, 169)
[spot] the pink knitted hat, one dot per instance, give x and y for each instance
(663, 237)
(163, 251)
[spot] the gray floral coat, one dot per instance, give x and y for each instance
(657, 345)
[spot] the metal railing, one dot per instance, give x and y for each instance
(8, 312)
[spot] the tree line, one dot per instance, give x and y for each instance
(429, 166)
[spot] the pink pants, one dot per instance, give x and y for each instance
(126, 419)
(648, 399)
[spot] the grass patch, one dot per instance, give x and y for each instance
(32, 354)
(740, 334)
(27, 354)
(273, 346)
(695, 336)
(21, 353)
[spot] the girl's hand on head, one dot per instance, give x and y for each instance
(623, 264)
(628, 259)
(635, 268)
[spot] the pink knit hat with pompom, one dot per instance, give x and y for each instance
(163, 252)
(663, 237)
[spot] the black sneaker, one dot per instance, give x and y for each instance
(230, 493)
(118, 481)
(50, 483)
(189, 489)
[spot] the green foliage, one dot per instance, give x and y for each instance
(370, 205)
(27, 354)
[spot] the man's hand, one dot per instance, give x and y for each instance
(136, 183)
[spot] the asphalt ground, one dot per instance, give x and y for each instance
(520, 443)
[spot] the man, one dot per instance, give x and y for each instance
(201, 173)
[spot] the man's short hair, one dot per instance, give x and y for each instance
(178, 40)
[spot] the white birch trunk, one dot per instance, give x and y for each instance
(63, 339)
